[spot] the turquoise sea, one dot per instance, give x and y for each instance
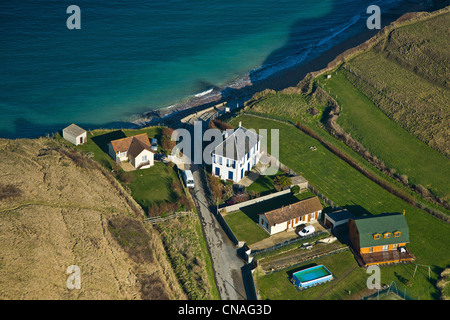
(134, 56)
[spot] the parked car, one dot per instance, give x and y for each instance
(154, 144)
(306, 231)
(231, 202)
(188, 178)
(306, 245)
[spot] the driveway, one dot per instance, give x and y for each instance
(226, 263)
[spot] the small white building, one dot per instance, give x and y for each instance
(237, 154)
(74, 134)
(136, 150)
(290, 216)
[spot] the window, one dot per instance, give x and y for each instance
(144, 158)
(230, 175)
(217, 171)
(397, 234)
(376, 236)
(220, 160)
(387, 235)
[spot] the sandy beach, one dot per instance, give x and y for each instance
(244, 90)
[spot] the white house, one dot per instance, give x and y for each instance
(237, 154)
(74, 134)
(290, 216)
(136, 150)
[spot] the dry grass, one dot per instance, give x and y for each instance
(62, 217)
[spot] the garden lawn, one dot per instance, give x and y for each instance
(152, 185)
(346, 273)
(350, 189)
(244, 228)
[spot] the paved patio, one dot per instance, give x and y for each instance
(127, 167)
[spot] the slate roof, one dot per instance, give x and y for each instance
(381, 224)
(237, 144)
(74, 130)
(293, 211)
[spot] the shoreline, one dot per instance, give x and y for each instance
(243, 89)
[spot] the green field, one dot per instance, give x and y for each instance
(407, 76)
(386, 139)
(350, 189)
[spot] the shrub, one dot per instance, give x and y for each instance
(9, 191)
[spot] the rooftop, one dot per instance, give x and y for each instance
(124, 144)
(293, 211)
(74, 130)
(237, 144)
(381, 224)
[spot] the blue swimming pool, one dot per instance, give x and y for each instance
(311, 276)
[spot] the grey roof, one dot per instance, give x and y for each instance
(340, 215)
(237, 144)
(74, 130)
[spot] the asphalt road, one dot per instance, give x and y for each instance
(226, 263)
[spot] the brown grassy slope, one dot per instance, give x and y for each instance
(65, 214)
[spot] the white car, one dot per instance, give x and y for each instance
(306, 231)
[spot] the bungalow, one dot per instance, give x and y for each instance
(135, 149)
(236, 155)
(288, 217)
(74, 134)
(380, 239)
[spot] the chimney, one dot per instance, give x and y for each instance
(404, 212)
(240, 123)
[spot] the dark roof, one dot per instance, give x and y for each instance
(137, 146)
(293, 211)
(74, 130)
(122, 145)
(237, 144)
(381, 224)
(340, 215)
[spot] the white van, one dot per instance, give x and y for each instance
(188, 178)
(154, 144)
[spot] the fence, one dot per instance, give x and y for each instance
(323, 198)
(286, 243)
(159, 219)
(392, 288)
(237, 206)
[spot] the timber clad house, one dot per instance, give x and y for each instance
(290, 216)
(380, 239)
(236, 155)
(134, 149)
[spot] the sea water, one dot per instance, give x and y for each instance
(134, 56)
